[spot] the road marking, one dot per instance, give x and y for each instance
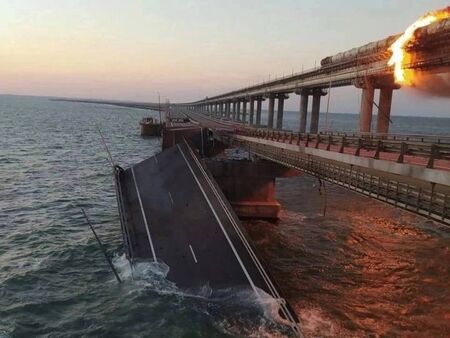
(156, 160)
(255, 259)
(143, 216)
(193, 254)
(171, 199)
(252, 284)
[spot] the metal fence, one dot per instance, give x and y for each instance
(430, 148)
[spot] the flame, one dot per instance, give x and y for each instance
(400, 57)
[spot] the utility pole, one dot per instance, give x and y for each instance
(159, 108)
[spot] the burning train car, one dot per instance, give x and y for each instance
(434, 34)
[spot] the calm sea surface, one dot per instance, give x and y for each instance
(362, 269)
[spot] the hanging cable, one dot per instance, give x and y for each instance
(108, 259)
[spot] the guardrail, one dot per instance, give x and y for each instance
(430, 148)
(429, 200)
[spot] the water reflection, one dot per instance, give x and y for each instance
(365, 268)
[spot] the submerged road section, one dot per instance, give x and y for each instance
(173, 211)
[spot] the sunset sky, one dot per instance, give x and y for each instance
(187, 50)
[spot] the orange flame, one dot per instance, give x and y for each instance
(400, 57)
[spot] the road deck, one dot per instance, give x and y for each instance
(175, 213)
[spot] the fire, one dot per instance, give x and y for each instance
(400, 56)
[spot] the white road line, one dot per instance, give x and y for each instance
(193, 254)
(171, 199)
(255, 259)
(252, 284)
(143, 216)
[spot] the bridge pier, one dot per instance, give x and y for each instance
(303, 110)
(233, 112)
(280, 110)
(384, 110)
(221, 109)
(270, 111)
(250, 186)
(252, 110)
(238, 110)
(314, 125)
(228, 109)
(365, 113)
(259, 101)
(244, 110)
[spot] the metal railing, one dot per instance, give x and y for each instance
(430, 148)
(426, 199)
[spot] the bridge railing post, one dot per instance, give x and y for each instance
(403, 152)
(343, 141)
(434, 154)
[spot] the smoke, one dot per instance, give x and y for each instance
(432, 84)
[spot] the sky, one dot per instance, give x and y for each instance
(187, 50)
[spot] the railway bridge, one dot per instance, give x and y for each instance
(408, 171)
(364, 67)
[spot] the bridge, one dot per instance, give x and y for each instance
(364, 67)
(408, 171)
(182, 206)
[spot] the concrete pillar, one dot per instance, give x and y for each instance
(233, 111)
(384, 110)
(238, 110)
(259, 101)
(252, 110)
(303, 111)
(314, 126)
(280, 111)
(227, 109)
(221, 109)
(270, 113)
(365, 114)
(244, 111)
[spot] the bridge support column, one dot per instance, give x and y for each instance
(270, 112)
(227, 109)
(280, 110)
(314, 125)
(244, 110)
(384, 110)
(221, 109)
(238, 110)
(259, 101)
(303, 110)
(250, 186)
(365, 113)
(252, 110)
(233, 110)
